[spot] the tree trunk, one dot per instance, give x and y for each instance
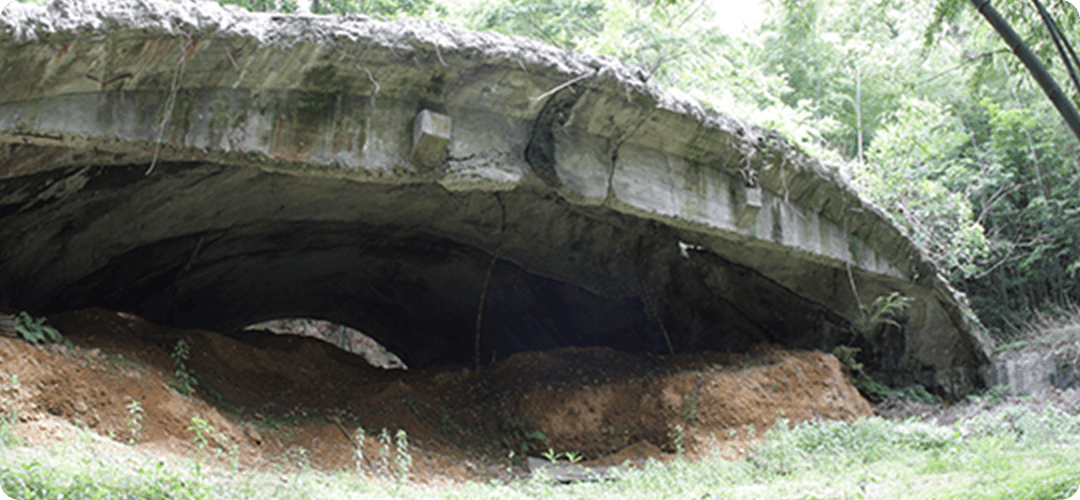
(1053, 91)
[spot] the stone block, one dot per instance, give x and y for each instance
(747, 205)
(431, 134)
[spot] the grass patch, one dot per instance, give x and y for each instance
(1009, 453)
(1057, 329)
(9, 406)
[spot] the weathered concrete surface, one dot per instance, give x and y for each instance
(1036, 368)
(282, 185)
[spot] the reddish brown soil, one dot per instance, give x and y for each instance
(284, 401)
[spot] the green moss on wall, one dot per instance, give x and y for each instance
(315, 104)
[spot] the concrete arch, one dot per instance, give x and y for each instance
(301, 170)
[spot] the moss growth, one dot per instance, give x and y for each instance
(317, 103)
(313, 107)
(325, 79)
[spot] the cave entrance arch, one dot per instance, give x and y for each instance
(347, 169)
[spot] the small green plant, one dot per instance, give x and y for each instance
(385, 440)
(204, 433)
(872, 389)
(10, 415)
(553, 457)
(85, 436)
(885, 309)
(299, 455)
(185, 381)
(572, 456)
(446, 426)
(36, 331)
(516, 431)
(402, 458)
(359, 436)
(846, 355)
(876, 391)
(116, 360)
(134, 424)
(678, 437)
(994, 395)
(214, 394)
(232, 453)
(690, 412)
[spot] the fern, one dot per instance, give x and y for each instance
(36, 331)
(885, 310)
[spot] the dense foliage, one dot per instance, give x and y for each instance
(919, 102)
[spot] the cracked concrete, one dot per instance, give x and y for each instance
(283, 186)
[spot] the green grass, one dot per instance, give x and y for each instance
(1010, 453)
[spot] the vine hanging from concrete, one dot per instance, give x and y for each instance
(177, 76)
(487, 280)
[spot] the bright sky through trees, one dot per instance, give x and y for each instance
(737, 15)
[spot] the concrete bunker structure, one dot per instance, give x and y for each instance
(203, 166)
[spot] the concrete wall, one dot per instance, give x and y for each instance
(1036, 369)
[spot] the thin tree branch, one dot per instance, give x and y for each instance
(227, 53)
(563, 86)
(371, 78)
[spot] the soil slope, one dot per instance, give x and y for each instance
(287, 401)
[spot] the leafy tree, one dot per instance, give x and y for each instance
(562, 23)
(264, 5)
(977, 165)
(917, 173)
(850, 59)
(1031, 210)
(389, 8)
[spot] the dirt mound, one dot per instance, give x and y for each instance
(269, 400)
(691, 401)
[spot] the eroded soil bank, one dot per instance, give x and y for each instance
(283, 401)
